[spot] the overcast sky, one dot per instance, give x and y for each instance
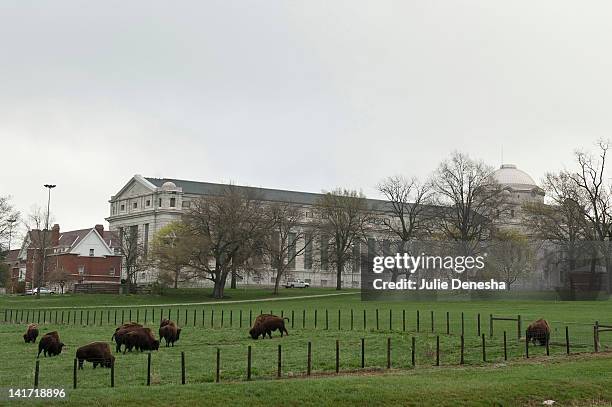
(306, 95)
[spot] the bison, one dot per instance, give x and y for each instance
(31, 334)
(141, 339)
(266, 324)
(50, 344)
(99, 353)
(165, 322)
(121, 331)
(170, 332)
(538, 331)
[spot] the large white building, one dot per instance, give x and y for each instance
(147, 204)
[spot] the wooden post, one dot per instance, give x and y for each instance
(418, 321)
(315, 319)
(115, 316)
(240, 323)
(518, 324)
(129, 319)
(484, 349)
(212, 318)
(36, 374)
(74, 373)
(478, 323)
(203, 317)
(388, 353)
(326, 319)
(182, 367)
(146, 312)
(122, 311)
(304, 319)
(377, 319)
(337, 356)
(28, 317)
(362, 353)
(403, 320)
(148, 369)
(437, 350)
(462, 359)
(194, 316)
(68, 317)
(595, 336)
(526, 346)
(567, 341)
(279, 364)
(309, 362)
(462, 325)
(390, 319)
(505, 347)
(432, 322)
(547, 346)
(250, 317)
(231, 318)
(137, 315)
(413, 351)
(218, 365)
(339, 319)
(112, 373)
(222, 317)
(490, 325)
(351, 319)
(248, 361)
(364, 319)
(292, 318)
(447, 323)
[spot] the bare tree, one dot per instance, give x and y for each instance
(224, 228)
(287, 239)
(8, 220)
(343, 216)
(59, 276)
(39, 241)
(511, 256)
(411, 213)
(593, 185)
(134, 256)
(472, 198)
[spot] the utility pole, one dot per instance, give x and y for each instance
(11, 222)
(44, 238)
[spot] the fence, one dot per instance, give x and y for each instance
(282, 360)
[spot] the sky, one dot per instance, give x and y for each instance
(301, 95)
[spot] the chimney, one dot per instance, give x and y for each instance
(100, 230)
(55, 234)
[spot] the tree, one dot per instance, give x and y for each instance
(473, 201)
(511, 256)
(134, 256)
(225, 229)
(39, 241)
(59, 276)
(171, 251)
(593, 185)
(343, 216)
(411, 213)
(286, 240)
(8, 219)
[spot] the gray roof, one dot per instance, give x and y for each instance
(267, 194)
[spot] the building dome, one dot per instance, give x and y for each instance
(168, 185)
(509, 175)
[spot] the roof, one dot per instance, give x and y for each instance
(11, 256)
(509, 174)
(267, 194)
(71, 238)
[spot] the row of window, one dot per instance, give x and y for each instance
(147, 204)
(81, 271)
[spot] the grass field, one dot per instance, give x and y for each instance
(202, 336)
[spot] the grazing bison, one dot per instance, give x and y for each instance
(165, 322)
(538, 331)
(50, 344)
(141, 339)
(121, 331)
(170, 332)
(99, 353)
(266, 324)
(31, 334)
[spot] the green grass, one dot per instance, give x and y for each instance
(201, 339)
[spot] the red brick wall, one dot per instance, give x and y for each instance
(96, 268)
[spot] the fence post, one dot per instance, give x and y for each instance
(362, 353)
(222, 317)
(248, 361)
(432, 322)
(518, 323)
(337, 356)
(278, 369)
(182, 367)
(304, 319)
(462, 325)
(212, 318)
(315, 318)
(218, 365)
(462, 359)
(232, 318)
(364, 320)
(339, 318)
(526, 346)
(413, 351)
(240, 323)
(437, 350)
(194, 316)
(418, 321)
(490, 325)
(390, 319)
(36, 372)
(148, 369)
(326, 319)
(112, 373)
(309, 361)
(547, 346)
(74, 373)
(292, 318)
(596, 336)
(478, 323)
(567, 341)
(505, 347)
(377, 319)
(388, 353)
(351, 319)
(447, 323)
(484, 351)
(404, 320)
(250, 317)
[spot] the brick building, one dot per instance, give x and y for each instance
(77, 256)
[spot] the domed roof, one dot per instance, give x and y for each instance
(508, 174)
(168, 185)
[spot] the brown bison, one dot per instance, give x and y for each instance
(538, 331)
(165, 322)
(170, 332)
(266, 324)
(99, 353)
(31, 334)
(50, 344)
(121, 331)
(141, 339)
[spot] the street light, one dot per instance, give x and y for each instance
(11, 222)
(44, 247)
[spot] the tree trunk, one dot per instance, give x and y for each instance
(339, 268)
(233, 280)
(219, 288)
(176, 277)
(276, 282)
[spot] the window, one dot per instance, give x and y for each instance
(146, 238)
(135, 205)
(91, 252)
(186, 204)
(291, 251)
(512, 213)
(122, 207)
(81, 270)
(148, 203)
(159, 203)
(324, 253)
(308, 251)
(172, 202)
(111, 272)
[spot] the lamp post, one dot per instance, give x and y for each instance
(44, 238)
(11, 222)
